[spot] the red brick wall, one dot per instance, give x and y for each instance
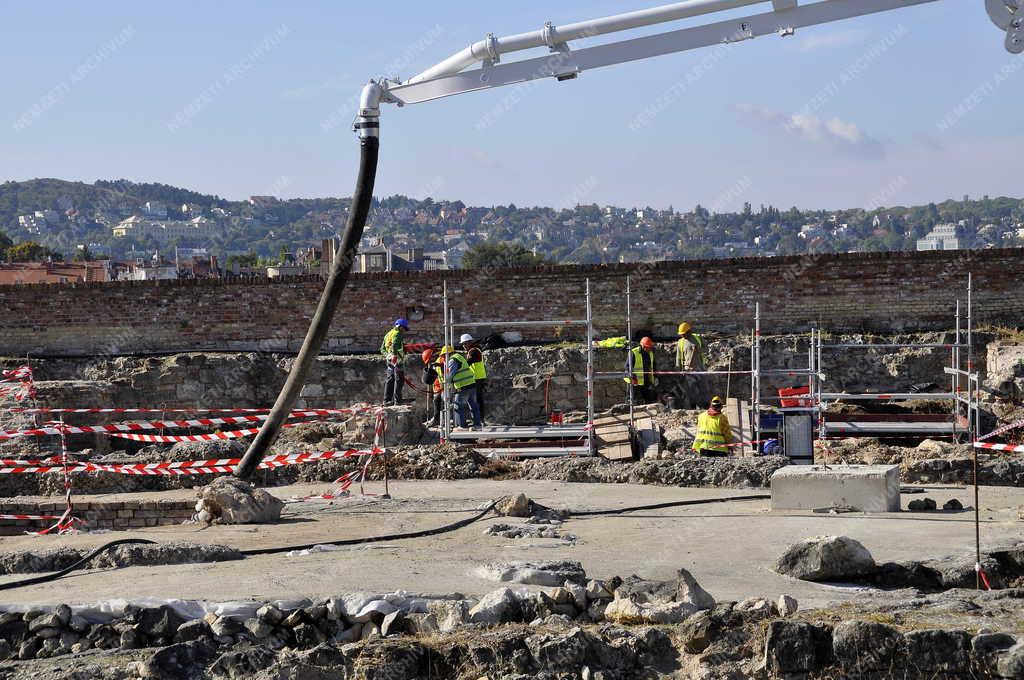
(865, 291)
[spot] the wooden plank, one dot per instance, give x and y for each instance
(738, 413)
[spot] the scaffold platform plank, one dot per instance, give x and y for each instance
(522, 432)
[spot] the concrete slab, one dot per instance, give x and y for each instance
(730, 547)
(864, 488)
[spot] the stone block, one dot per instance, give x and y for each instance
(864, 488)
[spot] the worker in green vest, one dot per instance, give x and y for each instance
(459, 374)
(475, 356)
(713, 431)
(640, 371)
(393, 351)
(690, 356)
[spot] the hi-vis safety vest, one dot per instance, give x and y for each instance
(713, 433)
(698, 343)
(464, 375)
(393, 343)
(439, 379)
(638, 367)
(479, 369)
(618, 342)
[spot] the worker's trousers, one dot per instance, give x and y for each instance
(466, 405)
(393, 384)
(436, 408)
(481, 398)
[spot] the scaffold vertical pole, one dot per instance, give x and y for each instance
(955, 377)
(446, 426)
(590, 370)
(756, 420)
(974, 386)
(753, 381)
(819, 380)
(629, 349)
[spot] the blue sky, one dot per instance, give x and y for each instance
(104, 90)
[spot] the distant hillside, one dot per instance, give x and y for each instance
(81, 213)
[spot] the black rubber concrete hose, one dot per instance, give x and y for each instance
(321, 324)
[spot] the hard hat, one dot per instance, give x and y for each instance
(402, 323)
(428, 354)
(684, 328)
(446, 350)
(717, 401)
(647, 343)
(466, 337)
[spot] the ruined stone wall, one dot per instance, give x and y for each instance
(109, 515)
(882, 292)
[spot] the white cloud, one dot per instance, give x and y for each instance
(834, 132)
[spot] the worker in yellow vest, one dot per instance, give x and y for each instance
(691, 356)
(393, 350)
(459, 374)
(475, 356)
(713, 431)
(640, 371)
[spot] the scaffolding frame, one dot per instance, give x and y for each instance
(954, 370)
(548, 431)
(755, 373)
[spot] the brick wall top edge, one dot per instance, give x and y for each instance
(820, 261)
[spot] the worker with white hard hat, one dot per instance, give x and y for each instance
(475, 356)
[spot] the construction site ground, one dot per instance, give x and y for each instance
(731, 547)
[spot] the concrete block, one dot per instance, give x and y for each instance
(864, 488)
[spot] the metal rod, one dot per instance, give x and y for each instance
(478, 324)
(975, 429)
(886, 396)
(446, 425)
(623, 373)
(629, 349)
(756, 420)
(954, 359)
(590, 371)
(492, 48)
(891, 345)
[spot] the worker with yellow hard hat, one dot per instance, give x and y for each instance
(690, 356)
(640, 372)
(714, 433)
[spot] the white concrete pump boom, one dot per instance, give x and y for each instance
(451, 76)
(455, 75)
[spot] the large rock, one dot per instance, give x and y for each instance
(498, 606)
(181, 660)
(514, 506)
(796, 647)
(229, 500)
(939, 651)
(684, 588)
(551, 573)
(826, 558)
(625, 611)
(863, 647)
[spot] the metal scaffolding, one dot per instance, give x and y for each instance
(559, 434)
(909, 424)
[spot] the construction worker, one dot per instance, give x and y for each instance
(459, 374)
(433, 377)
(640, 371)
(713, 431)
(393, 350)
(475, 356)
(690, 357)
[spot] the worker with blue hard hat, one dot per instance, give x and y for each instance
(393, 351)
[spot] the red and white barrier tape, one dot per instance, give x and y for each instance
(999, 447)
(189, 467)
(1001, 430)
(213, 436)
(19, 374)
(32, 517)
(154, 425)
(355, 410)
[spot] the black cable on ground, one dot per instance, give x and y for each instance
(375, 539)
(673, 504)
(35, 580)
(378, 539)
